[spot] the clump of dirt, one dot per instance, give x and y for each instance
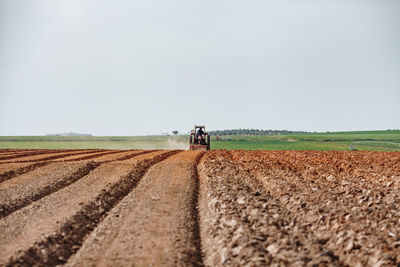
(241, 223)
(349, 201)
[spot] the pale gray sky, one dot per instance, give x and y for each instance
(137, 67)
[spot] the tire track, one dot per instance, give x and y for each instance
(56, 242)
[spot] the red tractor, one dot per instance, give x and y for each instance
(199, 138)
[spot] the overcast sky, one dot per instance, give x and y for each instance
(138, 67)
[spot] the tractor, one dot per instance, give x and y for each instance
(199, 138)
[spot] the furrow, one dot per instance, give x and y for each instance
(154, 225)
(20, 155)
(30, 153)
(118, 157)
(60, 155)
(18, 170)
(95, 155)
(196, 212)
(69, 214)
(121, 155)
(15, 150)
(23, 190)
(21, 170)
(2, 154)
(12, 155)
(19, 194)
(126, 157)
(23, 150)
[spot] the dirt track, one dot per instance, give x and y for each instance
(187, 208)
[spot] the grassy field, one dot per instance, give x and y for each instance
(99, 142)
(363, 140)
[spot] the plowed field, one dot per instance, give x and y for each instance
(190, 208)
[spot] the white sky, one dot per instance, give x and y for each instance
(138, 67)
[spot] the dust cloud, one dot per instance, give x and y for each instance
(175, 144)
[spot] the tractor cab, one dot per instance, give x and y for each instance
(199, 138)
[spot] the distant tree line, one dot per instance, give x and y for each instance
(252, 132)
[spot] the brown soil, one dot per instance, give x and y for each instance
(155, 208)
(86, 156)
(24, 153)
(8, 150)
(45, 157)
(242, 223)
(49, 230)
(14, 155)
(123, 155)
(10, 170)
(24, 189)
(8, 153)
(152, 226)
(5, 168)
(348, 201)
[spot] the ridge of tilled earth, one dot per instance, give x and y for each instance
(43, 162)
(19, 150)
(59, 155)
(126, 157)
(90, 156)
(4, 151)
(243, 224)
(18, 170)
(154, 225)
(35, 163)
(18, 194)
(25, 189)
(56, 247)
(255, 208)
(356, 216)
(30, 153)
